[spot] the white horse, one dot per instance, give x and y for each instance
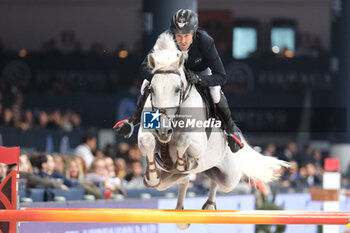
(191, 151)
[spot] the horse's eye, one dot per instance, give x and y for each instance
(177, 90)
(151, 90)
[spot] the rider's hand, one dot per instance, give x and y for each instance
(192, 77)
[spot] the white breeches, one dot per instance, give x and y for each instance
(214, 90)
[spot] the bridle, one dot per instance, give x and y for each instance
(183, 96)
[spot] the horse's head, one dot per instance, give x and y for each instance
(168, 86)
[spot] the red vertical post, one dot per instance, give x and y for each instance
(8, 187)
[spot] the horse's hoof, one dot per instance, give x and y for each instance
(150, 184)
(209, 205)
(183, 226)
(124, 128)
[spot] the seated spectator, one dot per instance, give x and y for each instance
(99, 175)
(134, 178)
(54, 119)
(289, 153)
(24, 163)
(110, 166)
(7, 117)
(59, 163)
(306, 156)
(109, 151)
(33, 181)
(74, 172)
(81, 161)
(134, 152)
(26, 122)
(86, 149)
(291, 176)
(123, 150)
(35, 162)
(270, 150)
(120, 168)
(318, 159)
(99, 154)
(47, 170)
(313, 179)
(66, 125)
(43, 119)
(75, 120)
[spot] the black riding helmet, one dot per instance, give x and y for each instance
(183, 22)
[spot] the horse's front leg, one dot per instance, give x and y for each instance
(188, 153)
(147, 144)
(210, 203)
(182, 162)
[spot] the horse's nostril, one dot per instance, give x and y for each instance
(170, 131)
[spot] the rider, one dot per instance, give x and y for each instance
(203, 68)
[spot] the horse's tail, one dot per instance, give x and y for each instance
(259, 167)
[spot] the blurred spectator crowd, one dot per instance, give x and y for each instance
(104, 171)
(15, 116)
(119, 169)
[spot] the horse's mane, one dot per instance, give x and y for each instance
(165, 53)
(165, 42)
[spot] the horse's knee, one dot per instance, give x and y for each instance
(148, 141)
(183, 141)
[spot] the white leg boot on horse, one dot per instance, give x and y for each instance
(186, 154)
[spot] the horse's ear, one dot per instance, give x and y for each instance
(151, 62)
(181, 60)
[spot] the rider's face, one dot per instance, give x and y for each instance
(184, 40)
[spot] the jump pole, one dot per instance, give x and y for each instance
(176, 216)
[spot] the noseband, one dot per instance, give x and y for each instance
(183, 92)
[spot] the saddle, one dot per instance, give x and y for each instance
(208, 101)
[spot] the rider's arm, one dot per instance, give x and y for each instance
(218, 76)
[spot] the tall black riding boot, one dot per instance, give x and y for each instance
(232, 131)
(126, 127)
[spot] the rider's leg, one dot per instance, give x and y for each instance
(223, 111)
(126, 127)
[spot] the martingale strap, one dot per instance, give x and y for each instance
(167, 72)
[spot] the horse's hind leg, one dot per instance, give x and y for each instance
(183, 184)
(210, 203)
